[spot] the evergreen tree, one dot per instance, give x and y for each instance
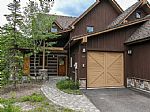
(10, 41)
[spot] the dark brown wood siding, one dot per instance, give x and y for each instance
(74, 54)
(111, 41)
(82, 60)
(139, 61)
(132, 17)
(99, 17)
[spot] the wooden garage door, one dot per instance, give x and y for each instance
(105, 69)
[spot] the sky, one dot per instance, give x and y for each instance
(63, 7)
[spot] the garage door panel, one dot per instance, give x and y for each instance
(104, 69)
(96, 80)
(96, 58)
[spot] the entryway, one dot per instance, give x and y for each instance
(62, 65)
(105, 69)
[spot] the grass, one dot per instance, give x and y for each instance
(33, 98)
(69, 86)
(39, 101)
(10, 108)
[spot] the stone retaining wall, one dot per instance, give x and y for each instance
(140, 84)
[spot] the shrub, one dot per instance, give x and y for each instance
(33, 98)
(67, 84)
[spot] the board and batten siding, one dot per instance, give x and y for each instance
(74, 54)
(111, 41)
(139, 61)
(99, 17)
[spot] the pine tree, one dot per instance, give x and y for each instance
(10, 40)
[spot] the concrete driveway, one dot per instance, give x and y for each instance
(118, 100)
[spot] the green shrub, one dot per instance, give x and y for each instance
(33, 98)
(67, 84)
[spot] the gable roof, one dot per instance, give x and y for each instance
(141, 33)
(64, 21)
(113, 2)
(125, 14)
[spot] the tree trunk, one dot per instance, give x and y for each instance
(14, 70)
(35, 74)
(44, 55)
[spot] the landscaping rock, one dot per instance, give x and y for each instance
(75, 102)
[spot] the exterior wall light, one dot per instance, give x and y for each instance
(83, 50)
(129, 52)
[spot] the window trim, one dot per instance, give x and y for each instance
(138, 15)
(88, 31)
(54, 29)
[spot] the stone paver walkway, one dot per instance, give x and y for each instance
(75, 102)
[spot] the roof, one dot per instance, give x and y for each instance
(115, 4)
(141, 33)
(74, 39)
(112, 29)
(125, 14)
(64, 21)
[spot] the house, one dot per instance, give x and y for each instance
(110, 46)
(55, 61)
(106, 46)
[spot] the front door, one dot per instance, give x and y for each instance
(62, 65)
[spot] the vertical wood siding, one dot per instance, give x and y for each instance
(139, 61)
(74, 53)
(99, 17)
(111, 41)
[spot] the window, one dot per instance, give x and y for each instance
(138, 15)
(54, 28)
(90, 29)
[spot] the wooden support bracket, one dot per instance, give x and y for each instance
(84, 39)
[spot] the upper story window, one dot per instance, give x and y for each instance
(138, 15)
(54, 28)
(90, 29)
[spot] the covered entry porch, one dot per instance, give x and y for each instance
(54, 63)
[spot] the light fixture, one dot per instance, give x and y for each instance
(83, 50)
(129, 52)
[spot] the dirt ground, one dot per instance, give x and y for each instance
(21, 90)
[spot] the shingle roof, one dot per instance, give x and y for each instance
(64, 21)
(125, 14)
(141, 33)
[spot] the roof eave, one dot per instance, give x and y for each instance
(137, 41)
(118, 8)
(111, 29)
